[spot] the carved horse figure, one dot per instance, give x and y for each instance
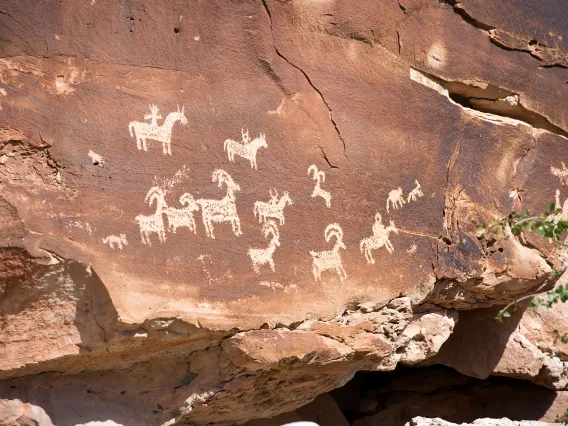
(111, 240)
(330, 259)
(379, 238)
(155, 222)
(153, 131)
(263, 256)
(273, 208)
(178, 218)
(319, 177)
(224, 210)
(246, 149)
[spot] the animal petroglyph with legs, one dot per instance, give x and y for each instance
(155, 222)
(113, 240)
(562, 173)
(396, 199)
(263, 256)
(178, 218)
(416, 193)
(319, 177)
(246, 149)
(153, 131)
(224, 210)
(273, 208)
(379, 238)
(330, 259)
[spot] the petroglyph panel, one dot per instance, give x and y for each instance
(144, 131)
(330, 260)
(246, 149)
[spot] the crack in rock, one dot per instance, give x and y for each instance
(308, 79)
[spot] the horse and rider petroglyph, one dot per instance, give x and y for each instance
(379, 238)
(246, 149)
(262, 256)
(155, 222)
(330, 259)
(152, 131)
(319, 177)
(224, 210)
(273, 208)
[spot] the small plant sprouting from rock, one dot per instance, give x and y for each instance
(550, 224)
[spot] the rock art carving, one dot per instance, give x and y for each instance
(246, 149)
(179, 218)
(120, 241)
(412, 249)
(263, 256)
(330, 259)
(416, 193)
(96, 159)
(155, 222)
(210, 278)
(563, 214)
(153, 131)
(273, 208)
(379, 238)
(224, 210)
(396, 199)
(562, 173)
(319, 177)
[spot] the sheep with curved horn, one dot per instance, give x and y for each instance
(262, 256)
(319, 177)
(155, 222)
(330, 259)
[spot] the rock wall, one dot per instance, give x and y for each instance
(216, 211)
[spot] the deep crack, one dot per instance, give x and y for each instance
(330, 111)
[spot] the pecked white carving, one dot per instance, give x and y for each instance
(416, 193)
(179, 218)
(379, 238)
(246, 149)
(562, 209)
(562, 173)
(396, 199)
(153, 131)
(263, 256)
(155, 222)
(330, 259)
(273, 208)
(224, 210)
(319, 177)
(111, 240)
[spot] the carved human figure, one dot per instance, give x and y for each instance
(178, 218)
(319, 177)
(262, 256)
(330, 259)
(415, 193)
(113, 240)
(246, 149)
(396, 199)
(152, 131)
(273, 208)
(155, 222)
(224, 210)
(379, 238)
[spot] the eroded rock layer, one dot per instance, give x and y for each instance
(215, 211)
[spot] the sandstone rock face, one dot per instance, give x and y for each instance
(215, 212)
(423, 421)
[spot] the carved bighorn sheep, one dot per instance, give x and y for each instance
(178, 218)
(263, 256)
(330, 259)
(154, 223)
(224, 210)
(319, 177)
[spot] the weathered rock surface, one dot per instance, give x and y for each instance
(141, 144)
(423, 421)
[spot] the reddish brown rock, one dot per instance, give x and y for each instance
(131, 234)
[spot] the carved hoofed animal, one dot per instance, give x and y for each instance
(178, 218)
(247, 149)
(155, 222)
(111, 240)
(330, 259)
(379, 238)
(224, 210)
(274, 208)
(260, 256)
(319, 177)
(152, 131)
